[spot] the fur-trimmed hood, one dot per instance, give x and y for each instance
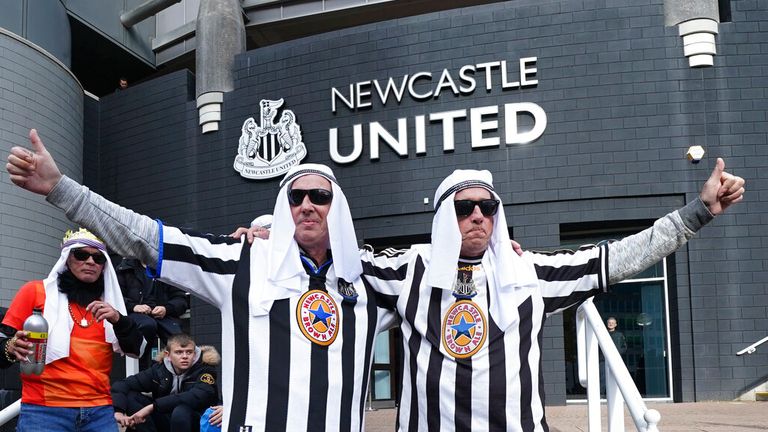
(208, 353)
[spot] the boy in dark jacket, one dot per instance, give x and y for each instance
(183, 385)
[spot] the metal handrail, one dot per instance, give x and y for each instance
(752, 348)
(591, 336)
(12, 411)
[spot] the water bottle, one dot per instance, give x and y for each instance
(37, 328)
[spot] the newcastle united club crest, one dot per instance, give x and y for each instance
(464, 329)
(269, 149)
(318, 317)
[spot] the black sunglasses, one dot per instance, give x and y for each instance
(488, 207)
(82, 255)
(316, 196)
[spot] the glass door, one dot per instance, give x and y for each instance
(638, 307)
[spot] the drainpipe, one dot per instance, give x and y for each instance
(144, 11)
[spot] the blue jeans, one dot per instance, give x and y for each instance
(38, 418)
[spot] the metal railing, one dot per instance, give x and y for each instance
(12, 411)
(752, 348)
(591, 337)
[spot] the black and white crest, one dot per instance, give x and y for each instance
(347, 290)
(267, 148)
(464, 288)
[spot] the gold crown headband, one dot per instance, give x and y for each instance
(82, 236)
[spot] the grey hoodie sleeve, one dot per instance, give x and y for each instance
(637, 252)
(124, 231)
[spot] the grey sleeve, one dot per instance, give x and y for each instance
(637, 252)
(124, 231)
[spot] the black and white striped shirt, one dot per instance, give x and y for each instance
(274, 378)
(499, 387)
(270, 377)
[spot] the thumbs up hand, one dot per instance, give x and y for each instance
(721, 189)
(33, 170)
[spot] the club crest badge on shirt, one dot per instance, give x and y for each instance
(318, 317)
(464, 329)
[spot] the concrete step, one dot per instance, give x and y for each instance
(761, 396)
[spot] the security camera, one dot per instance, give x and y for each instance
(695, 154)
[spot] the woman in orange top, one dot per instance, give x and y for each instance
(82, 303)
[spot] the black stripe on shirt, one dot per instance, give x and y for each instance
(497, 385)
(279, 365)
(414, 342)
(372, 314)
(385, 273)
(603, 273)
(462, 416)
(568, 272)
(347, 363)
(182, 253)
(318, 388)
(434, 369)
(541, 382)
(388, 302)
(525, 312)
(211, 238)
(240, 287)
(553, 304)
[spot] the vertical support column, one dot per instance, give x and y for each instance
(220, 36)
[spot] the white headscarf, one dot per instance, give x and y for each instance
(263, 221)
(284, 268)
(510, 279)
(56, 310)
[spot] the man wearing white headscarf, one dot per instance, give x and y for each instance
(264, 221)
(82, 303)
(298, 324)
(472, 311)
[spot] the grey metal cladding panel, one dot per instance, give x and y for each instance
(11, 18)
(44, 96)
(48, 26)
(104, 15)
(101, 14)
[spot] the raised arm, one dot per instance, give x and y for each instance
(635, 253)
(127, 232)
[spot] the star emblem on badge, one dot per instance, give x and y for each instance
(320, 315)
(463, 328)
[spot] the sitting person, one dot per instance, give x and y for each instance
(154, 306)
(182, 384)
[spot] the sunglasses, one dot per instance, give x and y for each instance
(488, 207)
(82, 255)
(316, 196)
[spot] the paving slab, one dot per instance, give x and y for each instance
(675, 417)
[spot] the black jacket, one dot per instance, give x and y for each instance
(197, 386)
(139, 289)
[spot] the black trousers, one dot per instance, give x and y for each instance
(182, 419)
(151, 329)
